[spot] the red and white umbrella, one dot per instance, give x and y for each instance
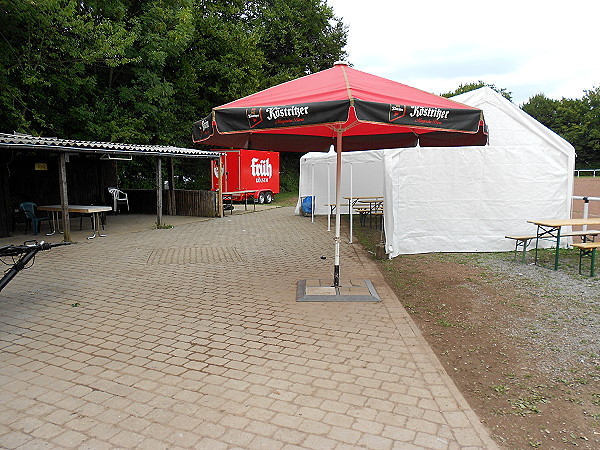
(344, 107)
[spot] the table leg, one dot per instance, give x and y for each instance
(537, 240)
(593, 269)
(556, 255)
(95, 226)
(55, 224)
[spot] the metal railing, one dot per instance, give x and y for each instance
(579, 172)
(586, 205)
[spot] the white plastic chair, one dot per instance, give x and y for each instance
(118, 196)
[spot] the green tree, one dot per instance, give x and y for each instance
(46, 49)
(298, 37)
(543, 109)
(589, 136)
(576, 120)
(142, 71)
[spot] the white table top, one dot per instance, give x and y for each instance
(86, 209)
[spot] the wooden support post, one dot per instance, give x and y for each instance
(220, 193)
(64, 198)
(171, 176)
(158, 191)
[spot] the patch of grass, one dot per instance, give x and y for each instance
(528, 405)
(286, 199)
(162, 226)
(500, 389)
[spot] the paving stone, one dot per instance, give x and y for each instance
(195, 340)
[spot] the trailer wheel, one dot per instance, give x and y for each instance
(261, 198)
(268, 197)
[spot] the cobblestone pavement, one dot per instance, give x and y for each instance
(191, 337)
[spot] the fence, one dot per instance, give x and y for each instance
(586, 205)
(176, 202)
(587, 171)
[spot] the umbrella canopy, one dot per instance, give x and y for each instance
(372, 112)
(344, 107)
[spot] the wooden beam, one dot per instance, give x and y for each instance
(158, 191)
(64, 198)
(171, 176)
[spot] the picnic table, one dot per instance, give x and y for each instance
(374, 209)
(352, 201)
(94, 211)
(551, 228)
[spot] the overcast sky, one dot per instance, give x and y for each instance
(526, 47)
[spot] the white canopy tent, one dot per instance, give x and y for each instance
(463, 199)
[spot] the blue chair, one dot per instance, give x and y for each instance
(30, 210)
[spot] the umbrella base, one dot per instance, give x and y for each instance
(348, 291)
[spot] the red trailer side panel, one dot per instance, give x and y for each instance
(248, 170)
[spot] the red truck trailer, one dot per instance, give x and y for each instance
(248, 170)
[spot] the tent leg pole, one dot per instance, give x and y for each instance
(352, 199)
(328, 198)
(338, 177)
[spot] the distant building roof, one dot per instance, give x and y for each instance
(27, 142)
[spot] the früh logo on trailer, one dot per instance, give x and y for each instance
(261, 169)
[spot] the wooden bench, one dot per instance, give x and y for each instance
(521, 241)
(524, 241)
(588, 249)
(364, 211)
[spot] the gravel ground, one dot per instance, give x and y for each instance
(566, 327)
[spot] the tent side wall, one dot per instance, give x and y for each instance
(467, 199)
(461, 199)
(362, 175)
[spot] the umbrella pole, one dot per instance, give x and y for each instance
(338, 177)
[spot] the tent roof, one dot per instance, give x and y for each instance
(509, 124)
(27, 142)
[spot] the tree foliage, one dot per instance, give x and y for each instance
(142, 71)
(576, 120)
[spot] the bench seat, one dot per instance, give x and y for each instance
(588, 249)
(524, 240)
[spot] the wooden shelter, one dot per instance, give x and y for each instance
(63, 171)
